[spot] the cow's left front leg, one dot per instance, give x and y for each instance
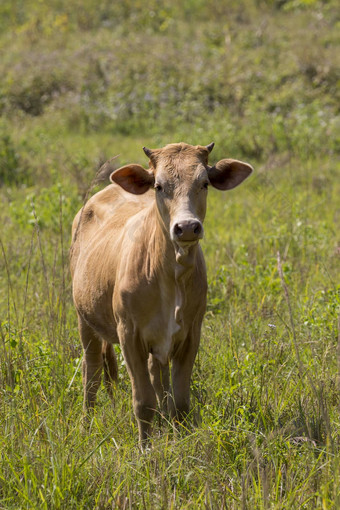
(182, 364)
(143, 394)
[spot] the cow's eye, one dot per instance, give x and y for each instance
(205, 185)
(158, 187)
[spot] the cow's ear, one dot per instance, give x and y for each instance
(228, 173)
(133, 178)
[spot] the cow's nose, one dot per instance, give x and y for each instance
(188, 230)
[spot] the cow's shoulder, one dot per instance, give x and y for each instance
(113, 200)
(113, 205)
(102, 217)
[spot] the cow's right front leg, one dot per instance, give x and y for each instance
(143, 394)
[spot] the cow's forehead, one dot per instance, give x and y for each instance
(180, 160)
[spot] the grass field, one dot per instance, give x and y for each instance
(81, 83)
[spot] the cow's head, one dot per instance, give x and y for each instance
(180, 175)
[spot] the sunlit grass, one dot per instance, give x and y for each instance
(264, 434)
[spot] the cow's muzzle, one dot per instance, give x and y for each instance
(187, 231)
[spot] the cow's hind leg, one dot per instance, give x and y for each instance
(160, 381)
(92, 363)
(110, 367)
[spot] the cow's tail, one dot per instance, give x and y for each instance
(110, 367)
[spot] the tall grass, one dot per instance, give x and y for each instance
(264, 388)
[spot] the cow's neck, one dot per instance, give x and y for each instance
(185, 257)
(176, 262)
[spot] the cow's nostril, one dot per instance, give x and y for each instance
(197, 229)
(178, 231)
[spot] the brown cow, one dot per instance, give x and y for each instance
(139, 275)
